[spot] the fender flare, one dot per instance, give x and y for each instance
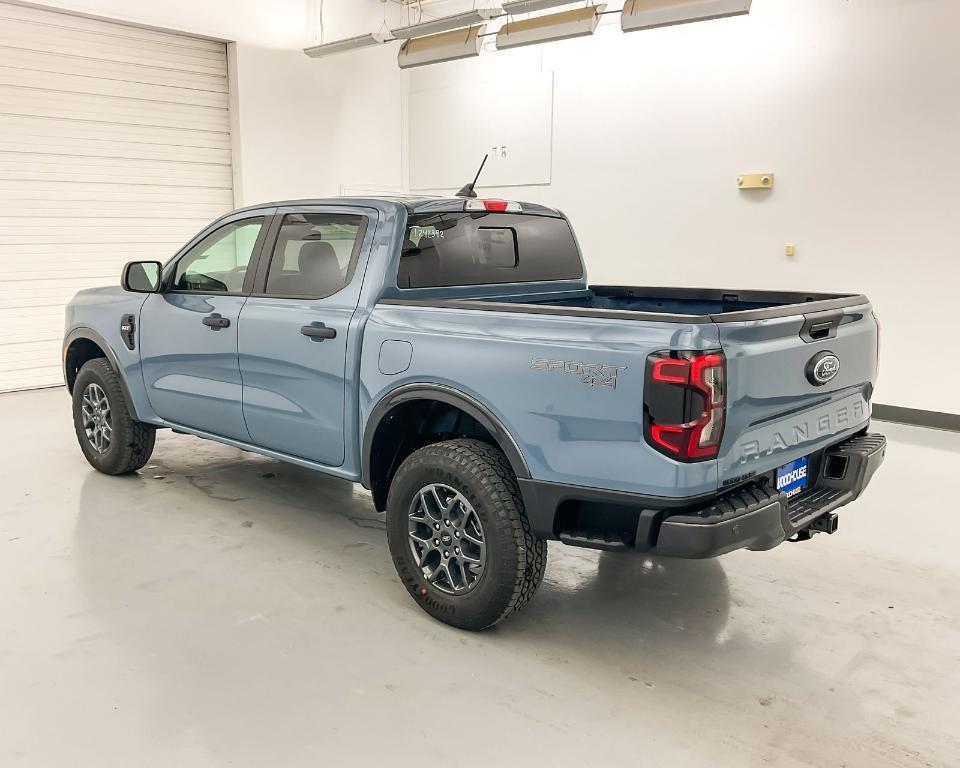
(445, 394)
(83, 332)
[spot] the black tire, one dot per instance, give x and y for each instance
(131, 442)
(515, 558)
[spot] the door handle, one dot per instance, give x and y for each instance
(216, 322)
(318, 332)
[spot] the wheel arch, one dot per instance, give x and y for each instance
(378, 469)
(84, 344)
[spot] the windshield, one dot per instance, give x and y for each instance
(477, 248)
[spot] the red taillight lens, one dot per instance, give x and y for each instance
(668, 437)
(493, 206)
(671, 371)
(684, 403)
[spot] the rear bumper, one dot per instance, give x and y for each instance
(754, 516)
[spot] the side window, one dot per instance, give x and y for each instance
(218, 263)
(315, 254)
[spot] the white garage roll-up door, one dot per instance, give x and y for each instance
(114, 145)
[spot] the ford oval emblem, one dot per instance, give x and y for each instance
(822, 367)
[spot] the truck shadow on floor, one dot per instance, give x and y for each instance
(197, 502)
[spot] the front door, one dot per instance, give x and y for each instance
(293, 338)
(188, 333)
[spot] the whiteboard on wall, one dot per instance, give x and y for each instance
(450, 130)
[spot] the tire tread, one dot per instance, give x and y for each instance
(136, 438)
(498, 482)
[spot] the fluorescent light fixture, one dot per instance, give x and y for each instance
(350, 44)
(445, 23)
(532, 6)
(447, 46)
(545, 29)
(648, 14)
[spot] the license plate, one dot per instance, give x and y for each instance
(792, 477)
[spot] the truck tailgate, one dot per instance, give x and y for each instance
(778, 410)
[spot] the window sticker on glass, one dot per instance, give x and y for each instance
(418, 233)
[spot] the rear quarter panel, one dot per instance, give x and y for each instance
(568, 429)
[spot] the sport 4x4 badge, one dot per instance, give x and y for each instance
(594, 374)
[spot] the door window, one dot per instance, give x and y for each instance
(218, 263)
(315, 254)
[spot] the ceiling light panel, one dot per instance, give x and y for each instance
(445, 23)
(578, 22)
(349, 44)
(446, 46)
(532, 6)
(649, 14)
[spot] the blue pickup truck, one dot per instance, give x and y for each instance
(449, 355)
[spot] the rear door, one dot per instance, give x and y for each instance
(294, 329)
(795, 385)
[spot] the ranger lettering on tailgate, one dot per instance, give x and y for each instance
(808, 429)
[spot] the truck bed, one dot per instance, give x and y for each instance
(655, 303)
(696, 301)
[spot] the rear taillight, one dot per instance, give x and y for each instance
(684, 401)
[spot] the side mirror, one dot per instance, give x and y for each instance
(141, 276)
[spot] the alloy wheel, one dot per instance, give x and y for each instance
(97, 419)
(446, 539)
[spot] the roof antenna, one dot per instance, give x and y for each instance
(467, 191)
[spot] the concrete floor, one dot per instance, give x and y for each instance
(225, 609)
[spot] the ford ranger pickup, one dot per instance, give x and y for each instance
(449, 355)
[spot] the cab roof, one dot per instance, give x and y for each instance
(412, 203)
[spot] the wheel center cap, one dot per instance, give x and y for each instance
(447, 539)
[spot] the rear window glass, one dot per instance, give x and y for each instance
(476, 248)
